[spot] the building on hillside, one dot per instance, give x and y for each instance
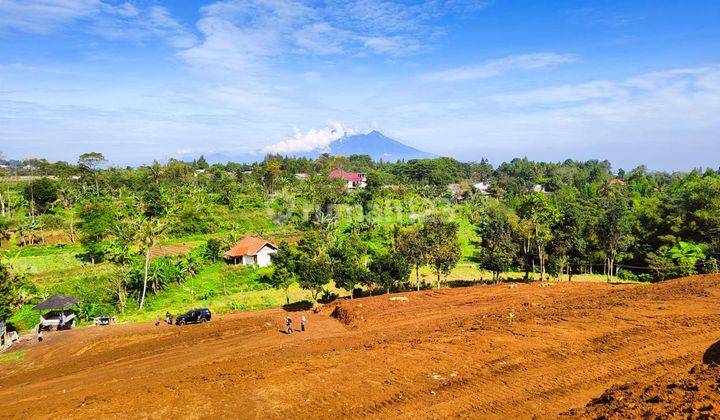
(251, 251)
(455, 190)
(482, 188)
(300, 176)
(617, 182)
(539, 189)
(353, 179)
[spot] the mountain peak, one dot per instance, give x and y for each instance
(377, 145)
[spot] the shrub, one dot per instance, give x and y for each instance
(709, 266)
(645, 278)
(627, 275)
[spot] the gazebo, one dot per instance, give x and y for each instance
(60, 314)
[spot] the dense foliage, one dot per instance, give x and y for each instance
(554, 219)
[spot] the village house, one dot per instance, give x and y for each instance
(353, 179)
(539, 189)
(251, 251)
(482, 188)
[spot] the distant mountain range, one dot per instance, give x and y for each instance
(375, 144)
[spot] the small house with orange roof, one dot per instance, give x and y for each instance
(252, 251)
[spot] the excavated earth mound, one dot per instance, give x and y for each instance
(483, 351)
(694, 395)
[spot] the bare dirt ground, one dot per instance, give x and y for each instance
(484, 351)
(695, 395)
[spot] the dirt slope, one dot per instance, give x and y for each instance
(695, 395)
(486, 351)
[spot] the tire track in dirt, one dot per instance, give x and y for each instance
(453, 352)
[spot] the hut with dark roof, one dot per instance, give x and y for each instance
(60, 313)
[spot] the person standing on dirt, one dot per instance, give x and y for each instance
(39, 333)
(303, 321)
(288, 325)
(168, 318)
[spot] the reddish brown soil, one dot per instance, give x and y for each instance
(694, 395)
(170, 250)
(454, 352)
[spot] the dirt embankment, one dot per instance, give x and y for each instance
(693, 395)
(485, 351)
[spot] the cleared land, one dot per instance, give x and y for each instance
(490, 351)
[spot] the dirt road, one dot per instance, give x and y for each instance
(490, 351)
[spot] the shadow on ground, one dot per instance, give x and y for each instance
(298, 306)
(712, 355)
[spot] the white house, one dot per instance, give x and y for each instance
(252, 251)
(353, 179)
(482, 188)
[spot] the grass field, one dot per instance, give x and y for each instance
(13, 356)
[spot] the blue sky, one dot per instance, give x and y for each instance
(629, 81)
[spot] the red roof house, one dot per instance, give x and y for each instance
(354, 179)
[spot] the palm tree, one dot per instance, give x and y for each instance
(148, 233)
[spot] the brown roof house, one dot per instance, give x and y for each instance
(252, 251)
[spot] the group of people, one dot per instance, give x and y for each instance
(289, 324)
(168, 319)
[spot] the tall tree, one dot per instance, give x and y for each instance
(498, 228)
(389, 269)
(615, 229)
(347, 258)
(148, 232)
(9, 292)
(442, 244)
(91, 163)
(413, 247)
(539, 215)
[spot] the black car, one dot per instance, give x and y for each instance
(194, 316)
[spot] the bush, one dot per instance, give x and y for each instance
(709, 266)
(645, 278)
(627, 275)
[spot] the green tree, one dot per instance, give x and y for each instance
(10, 296)
(347, 258)
(442, 244)
(202, 163)
(313, 274)
(411, 244)
(97, 225)
(498, 229)
(389, 269)
(284, 268)
(539, 215)
(90, 163)
(41, 194)
(615, 229)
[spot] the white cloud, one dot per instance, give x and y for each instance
(322, 39)
(560, 94)
(251, 35)
(496, 67)
(44, 16)
(667, 119)
(107, 19)
(313, 139)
